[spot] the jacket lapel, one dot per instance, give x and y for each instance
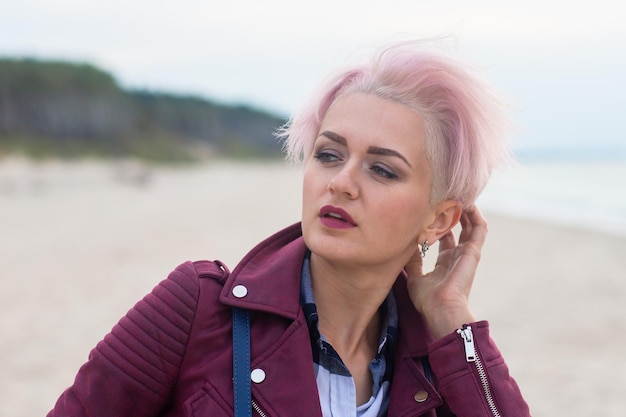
(280, 342)
(289, 387)
(412, 394)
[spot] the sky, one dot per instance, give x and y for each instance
(559, 64)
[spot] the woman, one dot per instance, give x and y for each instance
(344, 321)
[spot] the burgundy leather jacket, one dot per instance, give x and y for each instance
(171, 355)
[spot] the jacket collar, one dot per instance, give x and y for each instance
(278, 260)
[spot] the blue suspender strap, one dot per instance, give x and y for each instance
(241, 362)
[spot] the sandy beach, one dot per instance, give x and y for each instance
(81, 242)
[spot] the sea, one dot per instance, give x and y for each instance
(582, 187)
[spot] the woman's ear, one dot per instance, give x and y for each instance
(447, 215)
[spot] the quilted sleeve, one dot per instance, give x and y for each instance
(133, 370)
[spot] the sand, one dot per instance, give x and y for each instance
(80, 243)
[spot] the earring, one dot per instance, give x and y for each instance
(425, 247)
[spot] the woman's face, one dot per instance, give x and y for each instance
(367, 183)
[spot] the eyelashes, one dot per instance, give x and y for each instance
(325, 156)
(383, 172)
(328, 157)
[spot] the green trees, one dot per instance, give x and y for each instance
(51, 108)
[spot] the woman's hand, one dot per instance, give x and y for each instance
(442, 295)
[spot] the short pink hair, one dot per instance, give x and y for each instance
(465, 123)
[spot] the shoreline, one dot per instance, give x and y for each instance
(84, 245)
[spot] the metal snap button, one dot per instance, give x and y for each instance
(240, 291)
(257, 375)
(421, 396)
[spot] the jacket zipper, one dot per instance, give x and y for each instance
(471, 355)
(256, 408)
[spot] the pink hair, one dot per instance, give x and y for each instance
(465, 122)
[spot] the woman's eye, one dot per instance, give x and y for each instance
(326, 156)
(383, 172)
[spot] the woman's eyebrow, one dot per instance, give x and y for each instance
(374, 150)
(387, 152)
(334, 137)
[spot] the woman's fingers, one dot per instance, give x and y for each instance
(474, 226)
(414, 266)
(447, 241)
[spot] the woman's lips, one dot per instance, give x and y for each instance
(336, 218)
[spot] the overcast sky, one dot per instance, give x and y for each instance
(560, 65)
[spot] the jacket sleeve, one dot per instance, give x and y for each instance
(133, 370)
(472, 376)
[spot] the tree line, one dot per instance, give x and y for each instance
(66, 109)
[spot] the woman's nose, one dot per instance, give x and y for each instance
(345, 182)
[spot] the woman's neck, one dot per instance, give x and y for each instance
(347, 302)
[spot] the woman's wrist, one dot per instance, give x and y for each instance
(443, 323)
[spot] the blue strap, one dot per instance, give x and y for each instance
(427, 369)
(241, 362)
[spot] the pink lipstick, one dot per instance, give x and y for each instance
(336, 218)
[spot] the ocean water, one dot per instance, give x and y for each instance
(583, 188)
